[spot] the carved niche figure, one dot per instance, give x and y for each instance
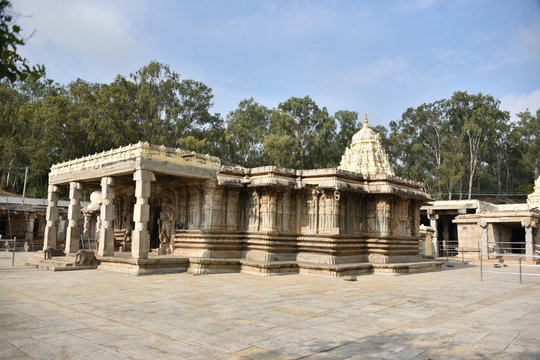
(166, 224)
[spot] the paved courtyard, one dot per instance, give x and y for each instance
(100, 315)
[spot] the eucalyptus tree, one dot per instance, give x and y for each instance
(247, 127)
(347, 121)
(307, 130)
(529, 130)
(478, 119)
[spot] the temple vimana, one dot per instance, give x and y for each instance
(159, 209)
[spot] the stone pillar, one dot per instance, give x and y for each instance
(74, 213)
(209, 205)
(484, 246)
(141, 214)
(529, 224)
(30, 227)
(272, 210)
(286, 211)
(529, 244)
(434, 240)
(232, 209)
(87, 224)
(51, 229)
(106, 231)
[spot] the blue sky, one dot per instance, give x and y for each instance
(379, 57)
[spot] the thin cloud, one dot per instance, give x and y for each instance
(395, 69)
(93, 35)
(516, 103)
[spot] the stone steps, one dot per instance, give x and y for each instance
(57, 263)
(43, 265)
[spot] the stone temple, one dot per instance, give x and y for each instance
(158, 209)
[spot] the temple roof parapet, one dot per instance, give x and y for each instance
(141, 149)
(187, 164)
(127, 158)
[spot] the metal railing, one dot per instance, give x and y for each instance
(510, 267)
(453, 251)
(505, 248)
(511, 260)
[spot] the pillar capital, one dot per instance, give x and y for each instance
(76, 185)
(54, 189)
(144, 175)
(529, 223)
(107, 181)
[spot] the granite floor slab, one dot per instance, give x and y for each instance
(90, 314)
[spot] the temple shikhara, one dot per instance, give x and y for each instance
(157, 209)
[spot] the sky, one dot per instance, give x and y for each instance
(374, 56)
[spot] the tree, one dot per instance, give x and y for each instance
(348, 126)
(280, 145)
(13, 66)
(529, 130)
(451, 142)
(306, 130)
(416, 145)
(247, 127)
(479, 118)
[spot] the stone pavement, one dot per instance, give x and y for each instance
(94, 314)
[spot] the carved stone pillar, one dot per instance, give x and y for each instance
(254, 211)
(434, 240)
(415, 213)
(209, 207)
(51, 229)
(195, 207)
(529, 239)
(87, 223)
(484, 246)
(272, 210)
(286, 211)
(106, 231)
(74, 212)
(313, 211)
(232, 209)
(529, 245)
(30, 227)
(141, 214)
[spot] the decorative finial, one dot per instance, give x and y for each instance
(366, 124)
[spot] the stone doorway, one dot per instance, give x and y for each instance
(518, 240)
(447, 235)
(155, 210)
(509, 238)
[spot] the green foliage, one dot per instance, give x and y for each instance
(465, 143)
(247, 127)
(43, 123)
(13, 67)
(525, 189)
(301, 135)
